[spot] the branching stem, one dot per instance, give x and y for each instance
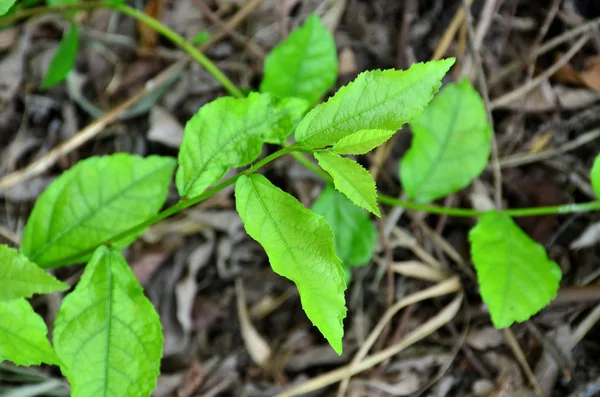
(294, 150)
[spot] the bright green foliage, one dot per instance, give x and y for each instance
(64, 59)
(379, 99)
(595, 176)
(350, 178)
(451, 144)
(6, 5)
(200, 38)
(92, 202)
(304, 65)
(362, 141)
(354, 232)
(19, 278)
(300, 247)
(230, 132)
(515, 275)
(23, 335)
(107, 333)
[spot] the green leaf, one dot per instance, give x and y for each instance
(95, 200)
(516, 277)
(64, 58)
(350, 178)
(304, 65)
(354, 232)
(6, 5)
(200, 38)
(362, 141)
(595, 176)
(107, 333)
(300, 247)
(23, 335)
(451, 144)
(230, 132)
(20, 278)
(379, 99)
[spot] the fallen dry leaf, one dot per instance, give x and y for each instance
(589, 76)
(257, 347)
(589, 237)
(165, 128)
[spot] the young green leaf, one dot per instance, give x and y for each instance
(300, 247)
(379, 99)
(6, 5)
(354, 232)
(230, 132)
(516, 277)
(362, 141)
(23, 335)
(107, 333)
(304, 65)
(595, 176)
(200, 38)
(92, 202)
(451, 144)
(350, 178)
(64, 59)
(19, 278)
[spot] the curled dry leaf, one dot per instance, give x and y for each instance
(256, 345)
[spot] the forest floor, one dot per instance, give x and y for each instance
(540, 64)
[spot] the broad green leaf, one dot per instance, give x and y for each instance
(350, 178)
(362, 141)
(23, 335)
(20, 278)
(64, 58)
(300, 247)
(515, 276)
(107, 333)
(354, 232)
(595, 176)
(304, 65)
(230, 132)
(451, 144)
(92, 202)
(378, 99)
(6, 5)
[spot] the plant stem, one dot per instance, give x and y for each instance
(177, 39)
(294, 150)
(465, 212)
(182, 43)
(185, 203)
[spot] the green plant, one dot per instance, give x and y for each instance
(103, 204)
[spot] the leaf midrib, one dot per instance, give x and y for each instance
(442, 148)
(108, 322)
(299, 283)
(360, 113)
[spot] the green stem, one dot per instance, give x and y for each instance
(465, 212)
(182, 43)
(293, 149)
(185, 203)
(177, 39)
